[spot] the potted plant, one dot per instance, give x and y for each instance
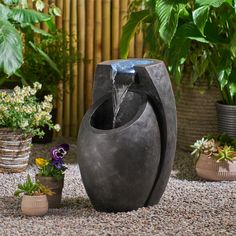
(34, 201)
(21, 117)
(216, 157)
(196, 39)
(51, 173)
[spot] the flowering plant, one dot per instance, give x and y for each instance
(55, 166)
(20, 109)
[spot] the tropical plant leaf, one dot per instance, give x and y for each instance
(189, 30)
(11, 57)
(200, 17)
(4, 12)
(46, 58)
(232, 83)
(213, 3)
(129, 29)
(29, 16)
(168, 14)
(233, 45)
(10, 2)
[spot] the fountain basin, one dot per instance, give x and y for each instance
(119, 166)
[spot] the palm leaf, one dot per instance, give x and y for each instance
(11, 57)
(28, 16)
(129, 29)
(213, 3)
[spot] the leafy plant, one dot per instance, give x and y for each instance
(55, 166)
(36, 68)
(221, 147)
(197, 35)
(225, 153)
(16, 19)
(30, 188)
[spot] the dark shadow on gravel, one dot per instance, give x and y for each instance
(184, 166)
(10, 206)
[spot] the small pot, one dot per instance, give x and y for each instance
(56, 186)
(208, 168)
(34, 205)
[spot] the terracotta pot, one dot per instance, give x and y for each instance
(34, 205)
(15, 150)
(56, 186)
(209, 169)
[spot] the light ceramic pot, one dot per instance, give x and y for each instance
(208, 168)
(15, 150)
(34, 205)
(56, 186)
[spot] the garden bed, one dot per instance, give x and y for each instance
(189, 206)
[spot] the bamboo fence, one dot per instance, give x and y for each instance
(94, 28)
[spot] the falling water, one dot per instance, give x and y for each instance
(119, 92)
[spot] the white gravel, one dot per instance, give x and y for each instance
(188, 207)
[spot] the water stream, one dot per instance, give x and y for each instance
(119, 92)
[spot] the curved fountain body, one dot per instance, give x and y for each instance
(127, 165)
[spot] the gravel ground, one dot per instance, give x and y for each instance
(189, 206)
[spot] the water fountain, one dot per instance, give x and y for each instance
(125, 153)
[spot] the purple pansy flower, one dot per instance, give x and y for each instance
(58, 163)
(58, 152)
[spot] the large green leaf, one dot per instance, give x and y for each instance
(200, 17)
(214, 3)
(11, 57)
(29, 16)
(129, 29)
(233, 45)
(232, 83)
(189, 30)
(4, 12)
(168, 13)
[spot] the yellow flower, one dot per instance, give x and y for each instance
(41, 162)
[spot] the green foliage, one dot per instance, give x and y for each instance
(30, 188)
(221, 147)
(15, 20)
(199, 35)
(226, 153)
(21, 110)
(47, 61)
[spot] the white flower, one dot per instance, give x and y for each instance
(57, 127)
(37, 85)
(24, 124)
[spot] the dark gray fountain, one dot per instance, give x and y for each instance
(126, 165)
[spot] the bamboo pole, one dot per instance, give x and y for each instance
(59, 102)
(106, 28)
(89, 51)
(115, 28)
(98, 33)
(139, 44)
(81, 49)
(74, 72)
(66, 110)
(123, 13)
(45, 10)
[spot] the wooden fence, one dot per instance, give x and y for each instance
(96, 25)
